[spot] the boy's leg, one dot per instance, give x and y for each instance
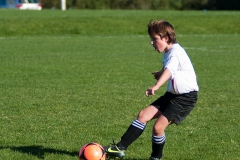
(133, 132)
(138, 126)
(157, 146)
(158, 137)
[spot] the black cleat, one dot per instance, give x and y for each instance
(114, 151)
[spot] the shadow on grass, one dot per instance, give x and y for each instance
(39, 151)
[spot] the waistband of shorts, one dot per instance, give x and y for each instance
(191, 92)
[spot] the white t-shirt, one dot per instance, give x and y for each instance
(183, 79)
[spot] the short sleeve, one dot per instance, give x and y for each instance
(172, 66)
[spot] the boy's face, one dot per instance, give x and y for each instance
(160, 44)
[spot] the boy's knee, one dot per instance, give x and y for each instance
(158, 130)
(142, 117)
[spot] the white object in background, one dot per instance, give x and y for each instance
(63, 4)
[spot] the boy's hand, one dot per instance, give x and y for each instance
(162, 76)
(156, 75)
(151, 91)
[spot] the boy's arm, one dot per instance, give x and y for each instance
(166, 74)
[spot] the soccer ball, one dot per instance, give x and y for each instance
(92, 151)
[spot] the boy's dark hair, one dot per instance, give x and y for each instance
(162, 28)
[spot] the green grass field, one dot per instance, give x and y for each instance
(68, 78)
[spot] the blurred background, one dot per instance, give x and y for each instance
(145, 4)
(123, 4)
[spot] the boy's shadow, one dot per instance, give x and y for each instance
(39, 151)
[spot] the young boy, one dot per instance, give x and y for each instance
(178, 101)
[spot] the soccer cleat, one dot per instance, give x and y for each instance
(114, 151)
(153, 158)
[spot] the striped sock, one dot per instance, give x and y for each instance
(157, 146)
(136, 123)
(158, 139)
(132, 133)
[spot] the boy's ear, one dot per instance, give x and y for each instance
(166, 38)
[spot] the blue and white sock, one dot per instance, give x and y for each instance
(157, 146)
(133, 132)
(158, 139)
(136, 123)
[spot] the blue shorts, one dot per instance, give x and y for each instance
(176, 107)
